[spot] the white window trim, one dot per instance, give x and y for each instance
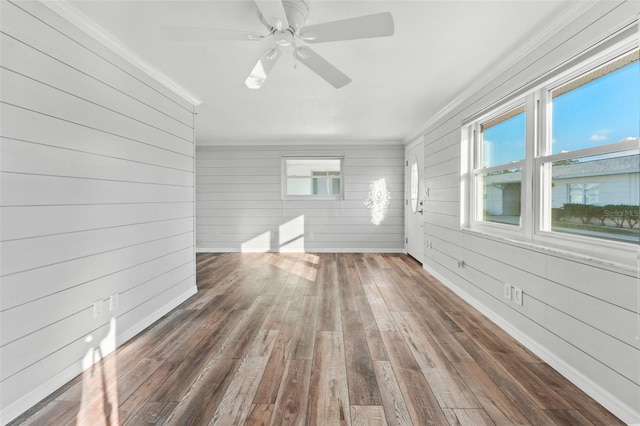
(283, 177)
(534, 209)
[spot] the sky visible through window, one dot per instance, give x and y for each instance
(505, 142)
(607, 110)
(604, 111)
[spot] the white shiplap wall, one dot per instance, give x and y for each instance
(239, 205)
(579, 315)
(97, 198)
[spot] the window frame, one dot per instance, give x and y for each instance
(284, 176)
(535, 225)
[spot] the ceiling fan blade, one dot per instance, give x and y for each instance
(370, 26)
(262, 68)
(273, 13)
(208, 34)
(320, 66)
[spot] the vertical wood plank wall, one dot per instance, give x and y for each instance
(239, 201)
(580, 315)
(97, 198)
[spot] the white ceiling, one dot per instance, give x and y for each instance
(439, 49)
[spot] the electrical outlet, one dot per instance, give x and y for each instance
(97, 308)
(518, 295)
(113, 302)
(507, 291)
(311, 235)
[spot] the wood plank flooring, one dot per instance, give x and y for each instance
(320, 339)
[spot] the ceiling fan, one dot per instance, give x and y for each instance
(285, 22)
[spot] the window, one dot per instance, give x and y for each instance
(312, 177)
(583, 193)
(414, 184)
(560, 164)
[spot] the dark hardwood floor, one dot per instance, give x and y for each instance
(319, 339)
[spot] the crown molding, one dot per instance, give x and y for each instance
(69, 12)
(412, 143)
(293, 143)
(561, 20)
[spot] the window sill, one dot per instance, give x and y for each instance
(312, 198)
(625, 261)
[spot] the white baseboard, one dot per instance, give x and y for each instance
(322, 250)
(23, 404)
(150, 319)
(216, 250)
(610, 402)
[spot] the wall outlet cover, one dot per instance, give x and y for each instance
(113, 302)
(507, 291)
(97, 308)
(517, 296)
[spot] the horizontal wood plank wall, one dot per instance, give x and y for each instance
(581, 317)
(239, 205)
(97, 199)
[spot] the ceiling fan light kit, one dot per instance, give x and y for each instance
(283, 38)
(286, 23)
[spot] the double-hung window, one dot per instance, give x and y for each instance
(312, 178)
(559, 164)
(589, 162)
(499, 160)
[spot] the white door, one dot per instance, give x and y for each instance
(414, 201)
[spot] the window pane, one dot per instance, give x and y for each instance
(414, 185)
(335, 186)
(500, 201)
(299, 186)
(598, 108)
(317, 186)
(312, 166)
(326, 186)
(597, 196)
(503, 138)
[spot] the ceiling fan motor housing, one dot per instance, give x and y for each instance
(297, 12)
